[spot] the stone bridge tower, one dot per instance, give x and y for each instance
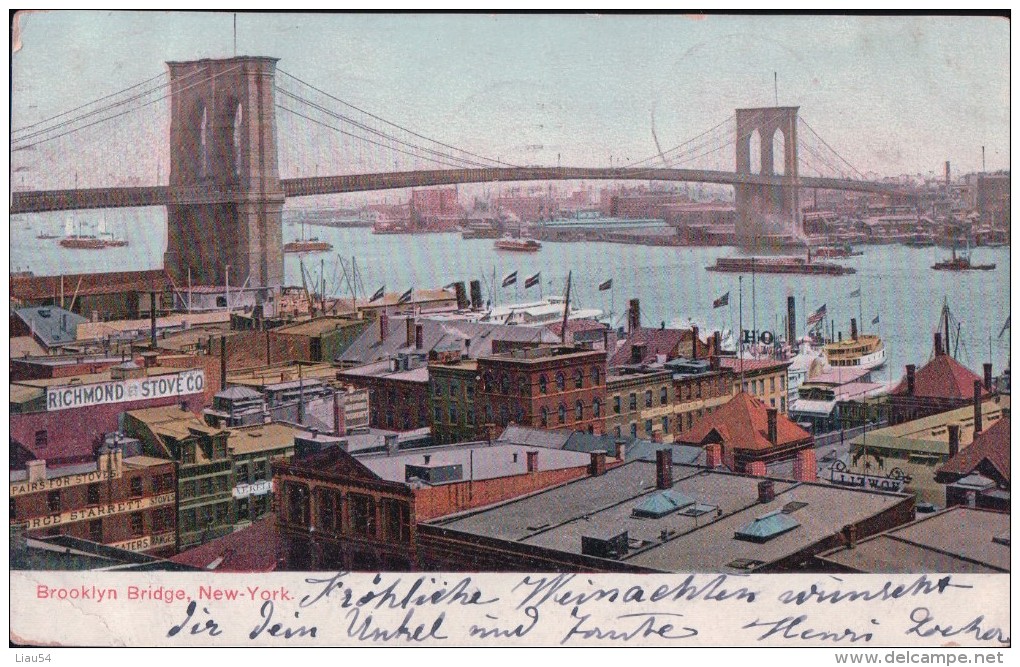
(767, 210)
(226, 198)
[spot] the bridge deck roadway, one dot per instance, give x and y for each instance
(63, 200)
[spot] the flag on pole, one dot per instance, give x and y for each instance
(406, 296)
(724, 300)
(856, 293)
(875, 321)
(378, 294)
(532, 280)
(817, 316)
(510, 279)
(1005, 326)
(606, 285)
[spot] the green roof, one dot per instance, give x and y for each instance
(662, 503)
(766, 527)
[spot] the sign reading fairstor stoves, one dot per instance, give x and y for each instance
(184, 383)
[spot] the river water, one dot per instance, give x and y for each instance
(897, 283)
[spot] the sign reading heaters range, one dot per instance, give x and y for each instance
(119, 391)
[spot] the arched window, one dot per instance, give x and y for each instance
(519, 414)
(596, 375)
(578, 411)
(779, 152)
(563, 413)
(755, 152)
(523, 385)
(545, 416)
(487, 381)
(578, 379)
(504, 383)
(543, 385)
(561, 381)
(596, 408)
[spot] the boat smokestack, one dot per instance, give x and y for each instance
(694, 342)
(462, 298)
(853, 328)
(476, 295)
(791, 320)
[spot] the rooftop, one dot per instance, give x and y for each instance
(991, 445)
(959, 539)
(261, 438)
(742, 422)
(942, 377)
(753, 365)
(929, 434)
(251, 549)
(51, 324)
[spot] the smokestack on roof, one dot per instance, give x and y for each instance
(663, 469)
(938, 344)
(954, 440)
(977, 407)
(911, 370)
(772, 414)
(988, 377)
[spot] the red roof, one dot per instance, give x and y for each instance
(33, 288)
(942, 377)
(667, 342)
(742, 423)
(252, 549)
(991, 445)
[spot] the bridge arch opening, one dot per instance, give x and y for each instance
(779, 152)
(755, 152)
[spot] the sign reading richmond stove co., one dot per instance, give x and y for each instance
(118, 391)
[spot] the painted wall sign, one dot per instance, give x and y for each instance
(65, 397)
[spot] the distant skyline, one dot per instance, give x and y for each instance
(893, 95)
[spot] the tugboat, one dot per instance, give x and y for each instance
(303, 244)
(519, 245)
(961, 263)
(837, 251)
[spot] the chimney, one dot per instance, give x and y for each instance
(850, 536)
(766, 490)
(492, 432)
(634, 316)
(620, 450)
(409, 339)
(390, 440)
(806, 466)
(977, 407)
(773, 435)
(637, 352)
(756, 468)
(713, 456)
(384, 326)
(938, 343)
(694, 343)
(911, 368)
(597, 468)
(223, 363)
(419, 337)
(791, 319)
(988, 377)
(853, 328)
(664, 469)
(339, 427)
(605, 340)
(954, 440)
(657, 437)
(532, 460)
(476, 295)
(36, 471)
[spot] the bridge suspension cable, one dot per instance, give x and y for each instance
(663, 155)
(831, 149)
(392, 124)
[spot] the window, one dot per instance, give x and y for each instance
(543, 386)
(437, 414)
(260, 470)
(219, 448)
(96, 530)
(545, 416)
(697, 389)
(243, 510)
(487, 382)
(329, 510)
(453, 414)
(362, 510)
(523, 385)
(665, 425)
(163, 482)
(563, 413)
(92, 494)
(648, 426)
(578, 379)
(561, 381)
(596, 375)
(616, 405)
(772, 383)
(297, 503)
(504, 383)
(782, 382)
(772, 402)
(221, 302)
(137, 524)
(222, 513)
(136, 487)
(205, 485)
(437, 389)
(633, 429)
(504, 415)
(41, 438)
(188, 520)
(782, 404)
(396, 520)
(188, 453)
(578, 411)
(454, 388)
(633, 401)
(648, 398)
(162, 519)
(53, 501)
(261, 506)
(617, 431)
(663, 396)
(761, 386)
(596, 408)
(470, 387)
(470, 415)
(519, 414)
(488, 414)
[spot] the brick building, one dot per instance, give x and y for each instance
(940, 385)
(700, 387)
(453, 383)
(545, 387)
(641, 404)
(116, 500)
(765, 379)
(978, 476)
(397, 391)
(334, 513)
(63, 420)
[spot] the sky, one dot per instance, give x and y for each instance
(893, 95)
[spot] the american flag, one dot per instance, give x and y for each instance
(817, 316)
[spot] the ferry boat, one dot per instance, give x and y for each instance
(79, 241)
(518, 245)
(303, 244)
(538, 313)
(796, 265)
(837, 251)
(961, 263)
(864, 351)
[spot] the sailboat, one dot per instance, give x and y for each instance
(108, 238)
(305, 244)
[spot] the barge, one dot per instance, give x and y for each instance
(794, 265)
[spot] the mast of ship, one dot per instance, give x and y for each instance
(754, 311)
(566, 310)
(860, 308)
(740, 330)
